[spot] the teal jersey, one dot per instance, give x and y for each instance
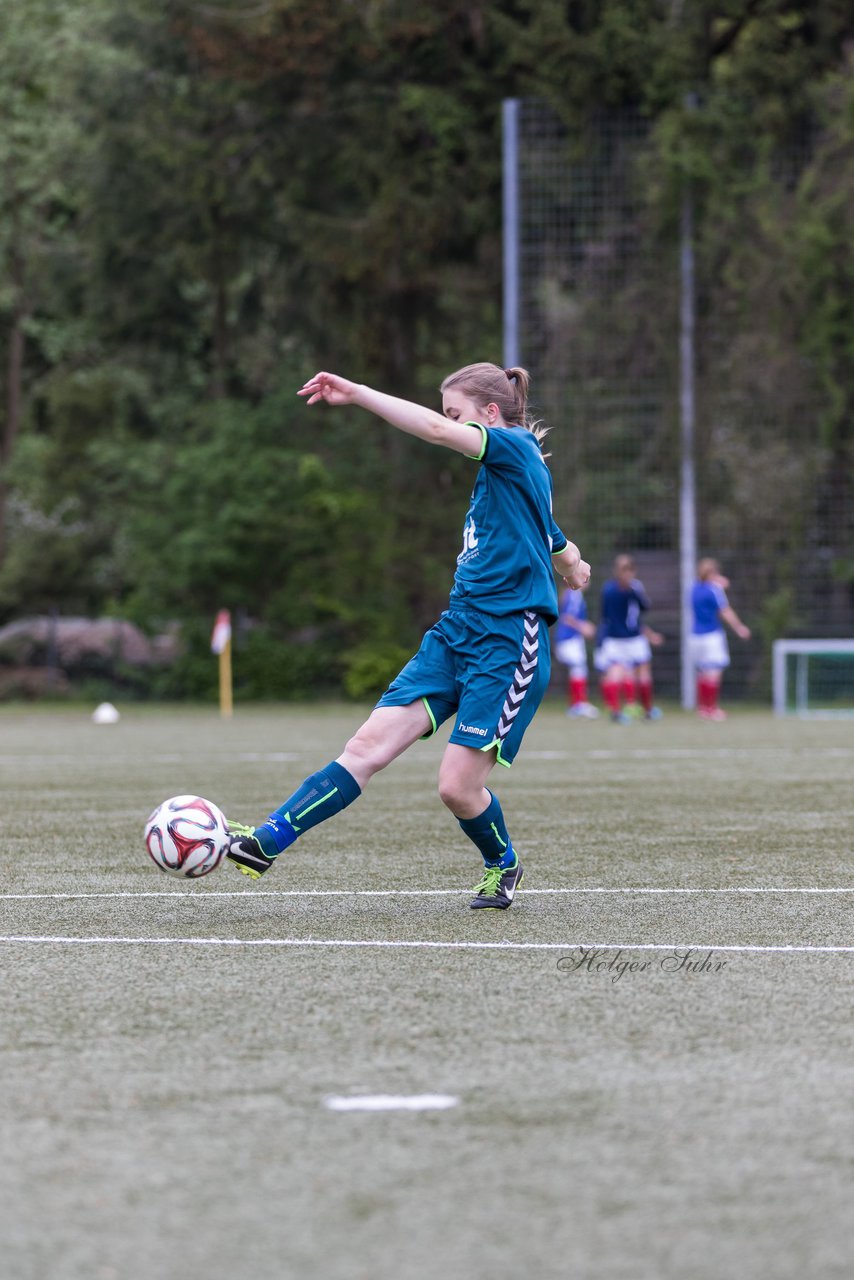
(510, 533)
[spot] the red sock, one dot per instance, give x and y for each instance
(611, 694)
(629, 691)
(708, 691)
(577, 690)
(645, 691)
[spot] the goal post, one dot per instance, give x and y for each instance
(813, 677)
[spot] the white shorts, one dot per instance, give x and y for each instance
(573, 653)
(625, 653)
(710, 652)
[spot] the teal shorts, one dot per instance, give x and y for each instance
(491, 671)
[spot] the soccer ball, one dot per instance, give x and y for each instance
(186, 836)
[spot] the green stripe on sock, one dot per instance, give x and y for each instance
(503, 843)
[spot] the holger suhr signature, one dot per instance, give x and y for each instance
(616, 964)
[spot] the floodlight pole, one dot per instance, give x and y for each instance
(687, 418)
(510, 182)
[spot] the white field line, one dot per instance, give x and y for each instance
(391, 1102)
(66, 940)
(201, 894)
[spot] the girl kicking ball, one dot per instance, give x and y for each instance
(486, 661)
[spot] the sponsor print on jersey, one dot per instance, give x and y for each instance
(469, 550)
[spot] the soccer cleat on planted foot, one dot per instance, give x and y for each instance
(245, 851)
(583, 711)
(497, 888)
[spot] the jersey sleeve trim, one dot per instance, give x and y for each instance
(478, 457)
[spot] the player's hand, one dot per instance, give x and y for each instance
(655, 638)
(579, 577)
(330, 388)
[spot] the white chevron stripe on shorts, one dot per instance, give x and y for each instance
(523, 675)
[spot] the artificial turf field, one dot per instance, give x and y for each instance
(169, 1049)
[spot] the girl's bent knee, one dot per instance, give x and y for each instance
(456, 796)
(367, 749)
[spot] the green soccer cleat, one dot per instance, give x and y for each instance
(497, 888)
(245, 851)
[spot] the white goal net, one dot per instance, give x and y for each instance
(814, 677)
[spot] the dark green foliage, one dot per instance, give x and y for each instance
(372, 666)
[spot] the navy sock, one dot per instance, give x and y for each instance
(321, 796)
(489, 832)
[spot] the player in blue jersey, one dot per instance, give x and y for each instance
(486, 661)
(625, 653)
(709, 649)
(571, 632)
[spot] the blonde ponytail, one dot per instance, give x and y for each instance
(507, 388)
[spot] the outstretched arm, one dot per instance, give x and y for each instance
(413, 419)
(731, 618)
(581, 625)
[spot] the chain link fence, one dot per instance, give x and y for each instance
(598, 326)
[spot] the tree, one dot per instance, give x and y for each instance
(202, 203)
(41, 149)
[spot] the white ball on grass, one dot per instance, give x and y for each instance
(105, 713)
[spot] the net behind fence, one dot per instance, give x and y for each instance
(599, 329)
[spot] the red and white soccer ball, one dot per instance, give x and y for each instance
(187, 836)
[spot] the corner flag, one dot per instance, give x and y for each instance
(221, 635)
(221, 645)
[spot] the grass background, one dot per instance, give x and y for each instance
(163, 1105)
